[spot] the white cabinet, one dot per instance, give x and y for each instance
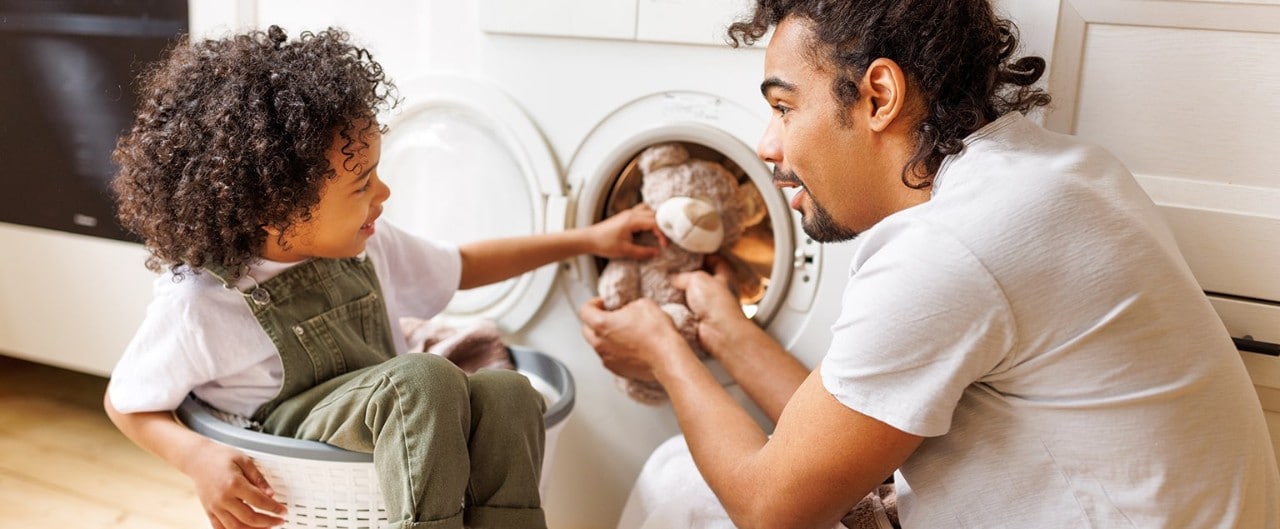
(670, 21)
(605, 19)
(687, 21)
(1184, 93)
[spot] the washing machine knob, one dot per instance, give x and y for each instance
(802, 259)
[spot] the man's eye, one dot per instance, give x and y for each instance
(782, 109)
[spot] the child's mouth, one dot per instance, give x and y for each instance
(367, 228)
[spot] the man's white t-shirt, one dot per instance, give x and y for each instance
(199, 337)
(1036, 323)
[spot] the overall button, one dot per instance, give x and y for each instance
(260, 296)
(297, 329)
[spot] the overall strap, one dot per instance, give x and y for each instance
(326, 317)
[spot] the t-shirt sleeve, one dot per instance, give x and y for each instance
(163, 362)
(922, 319)
(418, 276)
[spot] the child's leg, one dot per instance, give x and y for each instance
(413, 413)
(507, 438)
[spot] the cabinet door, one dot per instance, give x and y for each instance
(1185, 93)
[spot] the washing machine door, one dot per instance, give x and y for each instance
(605, 178)
(465, 163)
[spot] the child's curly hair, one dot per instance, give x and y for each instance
(231, 137)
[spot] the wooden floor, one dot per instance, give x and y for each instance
(63, 464)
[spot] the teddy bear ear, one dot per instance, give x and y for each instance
(751, 203)
(662, 155)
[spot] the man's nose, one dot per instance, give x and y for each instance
(769, 148)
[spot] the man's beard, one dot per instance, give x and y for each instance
(819, 225)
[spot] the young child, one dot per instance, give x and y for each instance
(251, 174)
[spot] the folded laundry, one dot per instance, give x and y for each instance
(473, 346)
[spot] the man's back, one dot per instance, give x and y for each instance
(1042, 330)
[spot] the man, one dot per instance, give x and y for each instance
(1019, 338)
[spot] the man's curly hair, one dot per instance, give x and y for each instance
(956, 53)
(231, 137)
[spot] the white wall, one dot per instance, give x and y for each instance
(1036, 20)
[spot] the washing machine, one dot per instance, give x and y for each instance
(535, 128)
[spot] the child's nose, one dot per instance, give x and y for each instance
(384, 191)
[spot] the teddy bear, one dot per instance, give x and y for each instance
(701, 209)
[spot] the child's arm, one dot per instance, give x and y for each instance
(485, 262)
(226, 480)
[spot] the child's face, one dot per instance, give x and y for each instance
(342, 222)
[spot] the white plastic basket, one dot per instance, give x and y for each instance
(327, 487)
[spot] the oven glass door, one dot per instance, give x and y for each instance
(66, 95)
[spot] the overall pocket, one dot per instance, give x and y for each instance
(347, 337)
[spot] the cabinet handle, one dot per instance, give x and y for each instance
(1248, 344)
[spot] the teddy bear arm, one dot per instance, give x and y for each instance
(619, 283)
(685, 322)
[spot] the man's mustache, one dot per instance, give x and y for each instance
(786, 177)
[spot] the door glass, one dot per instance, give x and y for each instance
(751, 255)
(67, 92)
(454, 178)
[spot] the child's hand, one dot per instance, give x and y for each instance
(233, 492)
(613, 237)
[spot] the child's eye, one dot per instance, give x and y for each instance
(368, 183)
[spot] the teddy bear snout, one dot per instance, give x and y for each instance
(691, 224)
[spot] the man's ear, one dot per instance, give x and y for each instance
(884, 87)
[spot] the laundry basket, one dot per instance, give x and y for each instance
(327, 487)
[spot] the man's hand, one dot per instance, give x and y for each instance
(633, 340)
(719, 313)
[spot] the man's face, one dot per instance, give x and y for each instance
(830, 160)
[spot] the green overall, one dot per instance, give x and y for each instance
(449, 450)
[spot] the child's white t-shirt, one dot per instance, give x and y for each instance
(200, 337)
